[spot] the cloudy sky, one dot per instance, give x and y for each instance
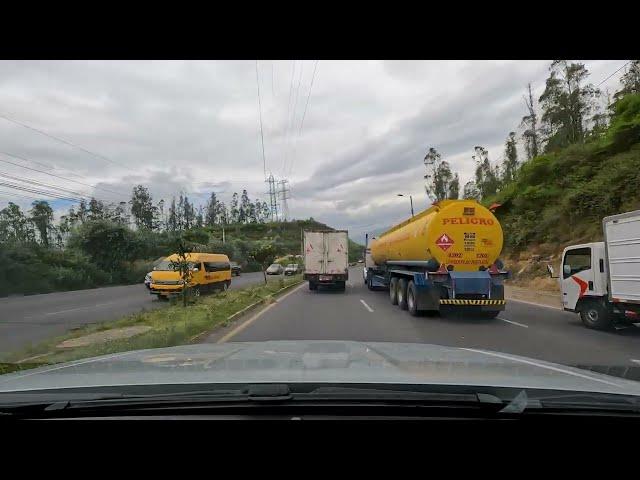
(193, 127)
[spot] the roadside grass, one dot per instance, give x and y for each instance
(170, 326)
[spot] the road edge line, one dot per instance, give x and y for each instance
(249, 321)
(245, 310)
(533, 303)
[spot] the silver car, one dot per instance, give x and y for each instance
(291, 269)
(275, 269)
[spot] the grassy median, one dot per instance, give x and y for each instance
(168, 327)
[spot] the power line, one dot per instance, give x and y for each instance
(287, 131)
(52, 174)
(63, 141)
(2, 192)
(308, 97)
(304, 114)
(42, 184)
(626, 63)
(23, 188)
(264, 160)
(293, 116)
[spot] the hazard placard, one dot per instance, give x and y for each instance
(444, 241)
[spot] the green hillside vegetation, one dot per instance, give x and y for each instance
(561, 197)
(102, 252)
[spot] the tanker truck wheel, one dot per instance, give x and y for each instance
(402, 294)
(412, 304)
(393, 291)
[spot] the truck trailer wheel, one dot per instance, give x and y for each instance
(393, 291)
(595, 315)
(342, 286)
(412, 303)
(402, 294)
(313, 285)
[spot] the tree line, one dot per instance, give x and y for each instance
(569, 111)
(37, 224)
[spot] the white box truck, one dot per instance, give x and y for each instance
(326, 258)
(601, 280)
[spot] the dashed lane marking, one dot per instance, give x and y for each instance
(366, 306)
(513, 323)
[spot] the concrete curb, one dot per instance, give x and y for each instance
(248, 308)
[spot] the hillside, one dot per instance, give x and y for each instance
(101, 252)
(286, 237)
(560, 198)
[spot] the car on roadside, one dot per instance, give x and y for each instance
(275, 269)
(147, 280)
(291, 269)
(236, 269)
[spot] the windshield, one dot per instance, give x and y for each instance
(172, 265)
(417, 203)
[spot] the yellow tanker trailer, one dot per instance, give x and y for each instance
(445, 255)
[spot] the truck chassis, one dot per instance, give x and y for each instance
(414, 288)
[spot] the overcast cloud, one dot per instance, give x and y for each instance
(193, 127)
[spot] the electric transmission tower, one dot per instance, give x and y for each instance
(284, 194)
(273, 198)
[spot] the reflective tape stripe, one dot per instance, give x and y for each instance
(452, 301)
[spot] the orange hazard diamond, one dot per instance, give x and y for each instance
(444, 241)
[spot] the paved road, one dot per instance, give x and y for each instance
(523, 329)
(33, 318)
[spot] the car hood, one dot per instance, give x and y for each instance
(318, 362)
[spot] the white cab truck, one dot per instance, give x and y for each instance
(601, 280)
(326, 258)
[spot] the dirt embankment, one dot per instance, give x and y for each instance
(528, 267)
(530, 280)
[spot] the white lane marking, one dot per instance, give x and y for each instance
(249, 321)
(540, 365)
(635, 361)
(366, 306)
(90, 360)
(78, 308)
(513, 323)
(533, 303)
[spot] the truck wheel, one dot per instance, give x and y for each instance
(369, 282)
(313, 286)
(491, 314)
(412, 304)
(595, 315)
(393, 291)
(342, 286)
(402, 294)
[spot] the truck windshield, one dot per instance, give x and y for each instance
(576, 261)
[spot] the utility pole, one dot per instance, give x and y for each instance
(410, 199)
